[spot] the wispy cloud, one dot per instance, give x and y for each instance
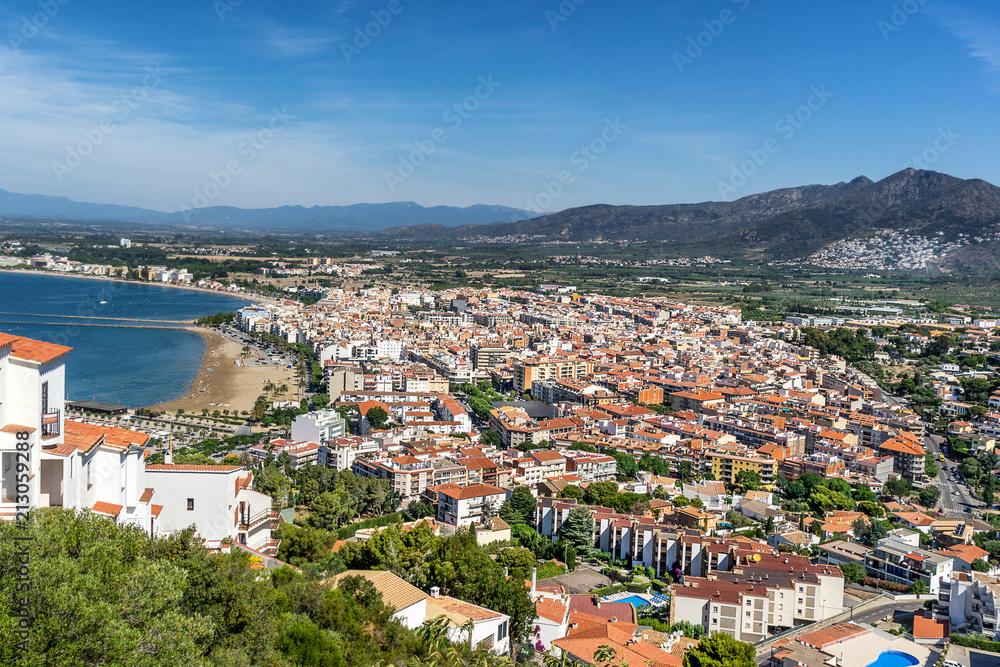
(980, 35)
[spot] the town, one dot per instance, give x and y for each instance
(657, 473)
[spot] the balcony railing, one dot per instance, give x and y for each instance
(248, 521)
(51, 424)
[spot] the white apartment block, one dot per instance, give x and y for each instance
(49, 461)
(340, 453)
(318, 426)
(466, 505)
(218, 500)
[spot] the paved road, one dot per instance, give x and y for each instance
(962, 505)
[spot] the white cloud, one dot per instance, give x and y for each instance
(980, 36)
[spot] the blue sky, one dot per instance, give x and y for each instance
(610, 97)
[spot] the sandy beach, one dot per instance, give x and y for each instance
(222, 384)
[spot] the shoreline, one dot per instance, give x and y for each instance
(223, 384)
(110, 279)
(219, 382)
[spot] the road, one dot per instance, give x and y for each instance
(950, 481)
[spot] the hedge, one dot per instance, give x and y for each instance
(347, 532)
(976, 641)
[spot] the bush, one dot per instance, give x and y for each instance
(347, 532)
(977, 641)
(885, 585)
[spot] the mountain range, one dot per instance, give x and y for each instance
(354, 218)
(780, 224)
(786, 223)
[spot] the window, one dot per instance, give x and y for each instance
(748, 614)
(502, 631)
(800, 600)
(715, 609)
(190, 506)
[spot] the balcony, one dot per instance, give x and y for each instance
(249, 521)
(51, 424)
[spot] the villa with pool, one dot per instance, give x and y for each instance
(851, 645)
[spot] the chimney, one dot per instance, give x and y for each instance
(435, 592)
(534, 579)
(168, 458)
(597, 601)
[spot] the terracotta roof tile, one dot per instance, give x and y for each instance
(37, 351)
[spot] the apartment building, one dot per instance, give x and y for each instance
(973, 599)
(318, 426)
(725, 466)
(218, 500)
(591, 467)
(757, 602)
(908, 455)
(526, 372)
(301, 453)
(410, 476)
(340, 453)
(466, 505)
(899, 561)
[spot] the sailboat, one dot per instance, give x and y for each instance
(104, 297)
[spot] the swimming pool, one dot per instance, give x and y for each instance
(637, 602)
(894, 659)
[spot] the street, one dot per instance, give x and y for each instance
(962, 505)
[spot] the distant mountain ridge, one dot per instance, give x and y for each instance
(360, 218)
(777, 224)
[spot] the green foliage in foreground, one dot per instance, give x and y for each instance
(977, 641)
(104, 594)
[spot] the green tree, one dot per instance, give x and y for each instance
(377, 418)
(853, 573)
(929, 496)
(720, 650)
(572, 491)
(918, 588)
(897, 487)
(520, 508)
(869, 532)
(578, 530)
(979, 565)
(518, 562)
(748, 480)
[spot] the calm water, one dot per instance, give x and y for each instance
(123, 363)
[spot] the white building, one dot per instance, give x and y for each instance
(217, 500)
(465, 505)
(340, 453)
(319, 426)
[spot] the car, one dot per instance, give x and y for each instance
(954, 493)
(952, 663)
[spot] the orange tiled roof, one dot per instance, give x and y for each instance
(7, 339)
(107, 508)
(37, 351)
(86, 436)
(16, 428)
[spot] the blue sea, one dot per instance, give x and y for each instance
(122, 360)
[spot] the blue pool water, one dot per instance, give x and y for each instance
(894, 659)
(635, 601)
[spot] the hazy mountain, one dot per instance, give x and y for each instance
(355, 218)
(786, 223)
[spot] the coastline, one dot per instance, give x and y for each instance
(87, 276)
(223, 384)
(219, 383)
